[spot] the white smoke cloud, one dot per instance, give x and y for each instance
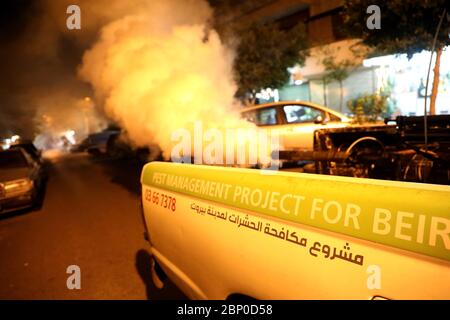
(160, 69)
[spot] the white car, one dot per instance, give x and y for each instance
(295, 121)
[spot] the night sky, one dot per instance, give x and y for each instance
(37, 59)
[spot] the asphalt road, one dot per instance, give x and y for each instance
(89, 218)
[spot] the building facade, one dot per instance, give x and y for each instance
(403, 79)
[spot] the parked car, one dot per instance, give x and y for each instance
(118, 147)
(96, 143)
(30, 148)
(295, 121)
(21, 179)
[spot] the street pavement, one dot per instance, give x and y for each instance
(90, 218)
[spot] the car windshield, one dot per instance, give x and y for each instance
(12, 159)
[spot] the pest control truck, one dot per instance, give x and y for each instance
(221, 232)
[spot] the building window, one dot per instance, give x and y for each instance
(337, 23)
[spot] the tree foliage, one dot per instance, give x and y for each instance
(264, 53)
(369, 107)
(339, 69)
(407, 26)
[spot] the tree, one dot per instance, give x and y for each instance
(339, 70)
(264, 54)
(369, 107)
(407, 26)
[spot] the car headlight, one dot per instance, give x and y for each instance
(21, 185)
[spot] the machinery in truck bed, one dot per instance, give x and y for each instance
(405, 151)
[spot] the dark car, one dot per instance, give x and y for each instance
(21, 180)
(96, 143)
(30, 148)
